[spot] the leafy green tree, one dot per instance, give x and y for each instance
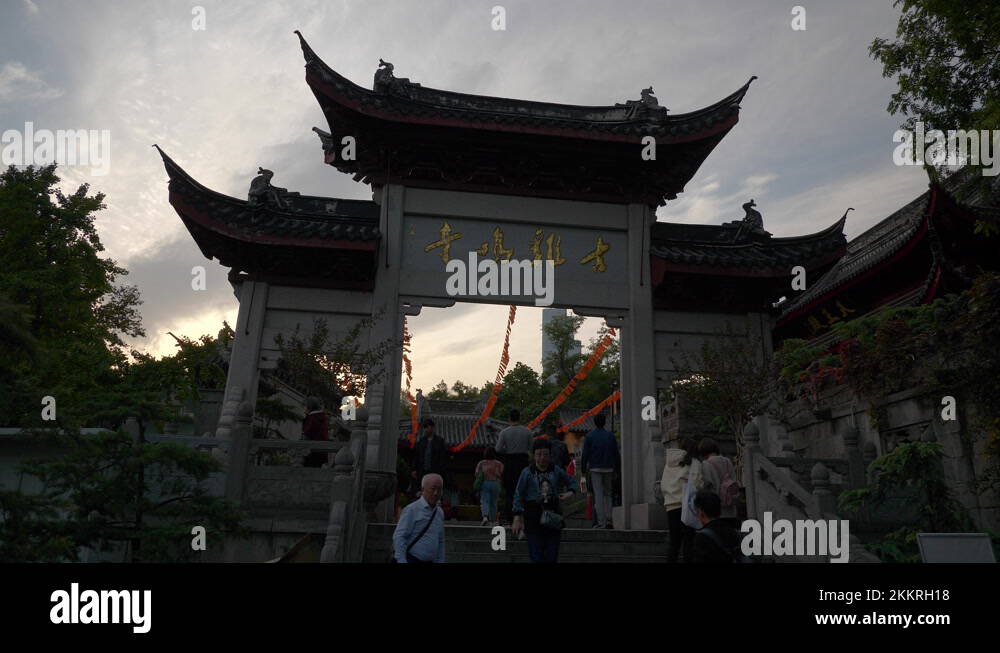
(728, 379)
(109, 491)
(914, 468)
(946, 59)
(522, 389)
(440, 391)
(67, 315)
(562, 363)
(330, 368)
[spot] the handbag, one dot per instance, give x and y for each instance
(689, 514)
(551, 519)
(477, 485)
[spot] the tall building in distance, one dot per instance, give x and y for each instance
(548, 347)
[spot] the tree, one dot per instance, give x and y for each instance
(947, 59)
(947, 62)
(914, 471)
(728, 379)
(108, 490)
(562, 363)
(440, 391)
(61, 298)
(522, 389)
(328, 368)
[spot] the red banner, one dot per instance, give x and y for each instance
(414, 427)
(497, 384)
(593, 411)
(580, 376)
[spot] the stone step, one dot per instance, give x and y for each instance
(484, 533)
(521, 547)
(470, 543)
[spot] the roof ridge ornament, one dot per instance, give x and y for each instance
(646, 103)
(262, 193)
(386, 82)
(751, 225)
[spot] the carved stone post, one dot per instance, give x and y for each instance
(825, 501)
(340, 501)
(855, 459)
(751, 449)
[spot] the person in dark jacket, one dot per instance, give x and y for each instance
(538, 492)
(721, 543)
(315, 426)
(601, 458)
(430, 455)
(560, 452)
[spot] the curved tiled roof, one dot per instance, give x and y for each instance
(866, 251)
(307, 221)
(715, 246)
(406, 102)
(454, 428)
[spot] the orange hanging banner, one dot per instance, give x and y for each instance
(414, 427)
(580, 376)
(593, 411)
(497, 384)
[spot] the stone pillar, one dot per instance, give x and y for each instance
(383, 401)
(237, 464)
(638, 380)
(241, 382)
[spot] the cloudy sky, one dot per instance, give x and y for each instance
(814, 137)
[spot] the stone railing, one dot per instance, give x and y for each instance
(778, 486)
(346, 525)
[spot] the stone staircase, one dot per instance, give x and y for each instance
(471, 543)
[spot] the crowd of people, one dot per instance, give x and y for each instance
(537, 472)
(701, 497)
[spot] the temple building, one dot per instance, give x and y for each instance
(453, 173)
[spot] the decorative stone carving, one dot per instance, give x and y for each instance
(752, 224)
(386, 82)
(647, 102)
(228, 414)
(263, 193)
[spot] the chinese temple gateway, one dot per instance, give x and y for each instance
(453, 173)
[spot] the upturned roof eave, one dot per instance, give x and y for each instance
(366, 102)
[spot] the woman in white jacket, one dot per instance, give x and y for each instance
(680, 464)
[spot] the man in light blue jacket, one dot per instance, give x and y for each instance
(419, 535)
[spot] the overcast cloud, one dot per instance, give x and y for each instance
(813, 139)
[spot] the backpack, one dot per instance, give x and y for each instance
(730, 490)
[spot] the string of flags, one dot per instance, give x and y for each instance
(580, 376)
(497, 385)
